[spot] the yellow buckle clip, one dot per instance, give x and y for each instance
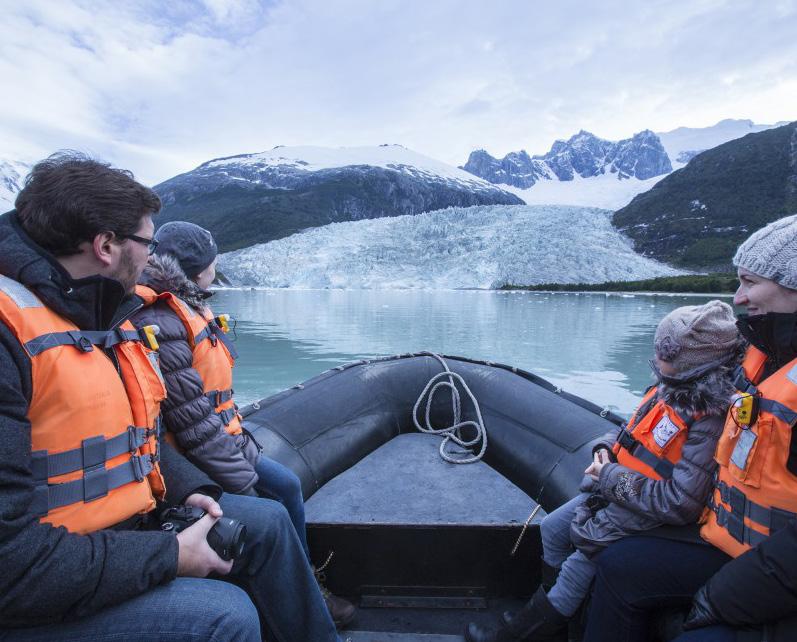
(223, 321)
(150, 331)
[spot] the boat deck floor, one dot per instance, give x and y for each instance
(406, 482)
(422, 625)
(404, 486)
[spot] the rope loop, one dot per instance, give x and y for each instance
(453, 433)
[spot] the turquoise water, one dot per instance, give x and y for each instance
(594, 345)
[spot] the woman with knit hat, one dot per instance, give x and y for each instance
(656, 471)
(740, 574)
(196, 358)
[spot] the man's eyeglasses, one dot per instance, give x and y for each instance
(151, 244)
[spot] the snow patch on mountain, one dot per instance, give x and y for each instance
(603, 191)
(309, 159)
(684, 143)
(12, 175)
(474, 247)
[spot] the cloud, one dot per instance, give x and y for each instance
(161, 87)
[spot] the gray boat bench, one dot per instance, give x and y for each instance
(411, 530)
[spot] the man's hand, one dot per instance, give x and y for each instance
(206, 503)
(195, 557)
(599, 461)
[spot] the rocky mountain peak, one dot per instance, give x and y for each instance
(584, 154)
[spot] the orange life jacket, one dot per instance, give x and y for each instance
(213, 354)
(754, 493)
(652, 441)
(94, 422)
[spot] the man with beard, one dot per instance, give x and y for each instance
(81, 466)
(740, 573)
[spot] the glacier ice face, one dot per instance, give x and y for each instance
(474, 247)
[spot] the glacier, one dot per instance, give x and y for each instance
(474, 247)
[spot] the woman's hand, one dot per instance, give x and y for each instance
(599, 461)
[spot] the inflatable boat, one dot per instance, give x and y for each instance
(422, 544)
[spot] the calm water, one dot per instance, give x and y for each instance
(593, 345)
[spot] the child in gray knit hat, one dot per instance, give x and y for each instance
(657, 471)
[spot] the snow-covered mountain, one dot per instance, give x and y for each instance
(255, 198)
(685, 143)
(475, 247)
(285, 167)
(589, 171)
(584, 155)
(12, 173)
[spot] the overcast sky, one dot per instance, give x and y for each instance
(159, 87)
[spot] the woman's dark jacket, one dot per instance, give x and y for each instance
(48, 574)
(187, 413)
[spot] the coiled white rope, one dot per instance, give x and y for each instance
(452, 432)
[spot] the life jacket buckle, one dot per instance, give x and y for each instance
(138, 468)
(82, 342)
(133, 441)
(625, 440)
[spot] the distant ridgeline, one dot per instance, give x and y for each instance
(697, 216)
(722, 283)
(256, 198)
(642, 156)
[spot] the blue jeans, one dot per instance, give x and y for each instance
(281, 483)
(274, 571)
(639, 575)
(577, 570)
(717, 633)
(185, 610)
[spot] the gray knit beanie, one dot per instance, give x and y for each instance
(192, 246)
(771, 252)
(695, 335)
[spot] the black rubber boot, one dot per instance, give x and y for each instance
(537, 620)
(548, 576)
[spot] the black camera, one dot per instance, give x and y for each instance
(227, 537)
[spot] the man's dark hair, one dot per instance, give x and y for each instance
(69, 198)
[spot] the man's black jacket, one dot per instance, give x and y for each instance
(48, 574)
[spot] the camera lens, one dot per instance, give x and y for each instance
(227, 538)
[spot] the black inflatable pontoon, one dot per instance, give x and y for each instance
(409, 530)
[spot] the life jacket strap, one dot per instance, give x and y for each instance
(779, 410)
(218, 397)
(637, 449)
(733, 520)
(94, 451)
(83, 340)
(227, 415)
(741, 382)
(96, 482)
(213, 332)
